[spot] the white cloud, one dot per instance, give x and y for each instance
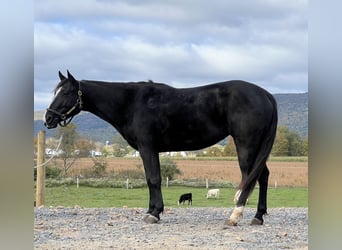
(41, 99)
(183, 43)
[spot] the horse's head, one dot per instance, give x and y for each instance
(66, 103)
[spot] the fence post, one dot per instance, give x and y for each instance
(167, 181)
(40, 187)
(206, 183)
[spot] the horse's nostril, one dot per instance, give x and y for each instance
(48, 118)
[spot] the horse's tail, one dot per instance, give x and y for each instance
(264, 151)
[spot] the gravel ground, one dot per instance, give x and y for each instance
(179, 228)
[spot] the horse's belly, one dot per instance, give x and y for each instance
(190, 140)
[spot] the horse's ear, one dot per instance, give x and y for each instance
(61, 76)
(70, 77)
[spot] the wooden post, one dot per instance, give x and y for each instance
(40, 187)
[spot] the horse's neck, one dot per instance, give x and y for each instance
(107, 101)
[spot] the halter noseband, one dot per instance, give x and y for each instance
(79, 103)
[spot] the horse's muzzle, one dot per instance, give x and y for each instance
(49, 126)
(49, 121)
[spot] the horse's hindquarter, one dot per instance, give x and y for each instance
(250, 110)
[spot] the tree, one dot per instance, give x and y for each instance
(68, 146)
(120, 146)
(119, 151)
(84, 147)
(288, 143)
(99, 167)
(118, 139)
(213, 151)
(281, 144)
(306, 147)
(296, 144)
(168, 168)
(230, 148)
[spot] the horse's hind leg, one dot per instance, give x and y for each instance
(246, 154)
(153, 178)
(262, 203)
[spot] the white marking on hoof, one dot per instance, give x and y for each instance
(148, 218)
(237, 212)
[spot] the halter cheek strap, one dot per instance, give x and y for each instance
(64, 121)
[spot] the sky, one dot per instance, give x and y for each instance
(181, 43)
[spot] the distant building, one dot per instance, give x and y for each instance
(176, 154)
(52, 152)
(95, 153)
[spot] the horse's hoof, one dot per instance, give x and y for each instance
(256, 221)
(148, 218)
(229, 223)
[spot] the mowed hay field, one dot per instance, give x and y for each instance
(282, 173)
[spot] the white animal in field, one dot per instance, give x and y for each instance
(213, 193)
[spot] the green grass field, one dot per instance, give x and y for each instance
(69, 196)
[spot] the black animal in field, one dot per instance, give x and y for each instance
(185, 197)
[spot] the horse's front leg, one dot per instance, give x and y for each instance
(153, 178)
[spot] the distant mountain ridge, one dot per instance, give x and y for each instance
(292, 112)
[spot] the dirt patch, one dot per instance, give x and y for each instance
(282, 174)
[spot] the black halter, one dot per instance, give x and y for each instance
(79, 103)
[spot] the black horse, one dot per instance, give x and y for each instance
(155, 117)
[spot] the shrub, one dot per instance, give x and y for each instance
(50, 172)
(99, 167)
(169, 168)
